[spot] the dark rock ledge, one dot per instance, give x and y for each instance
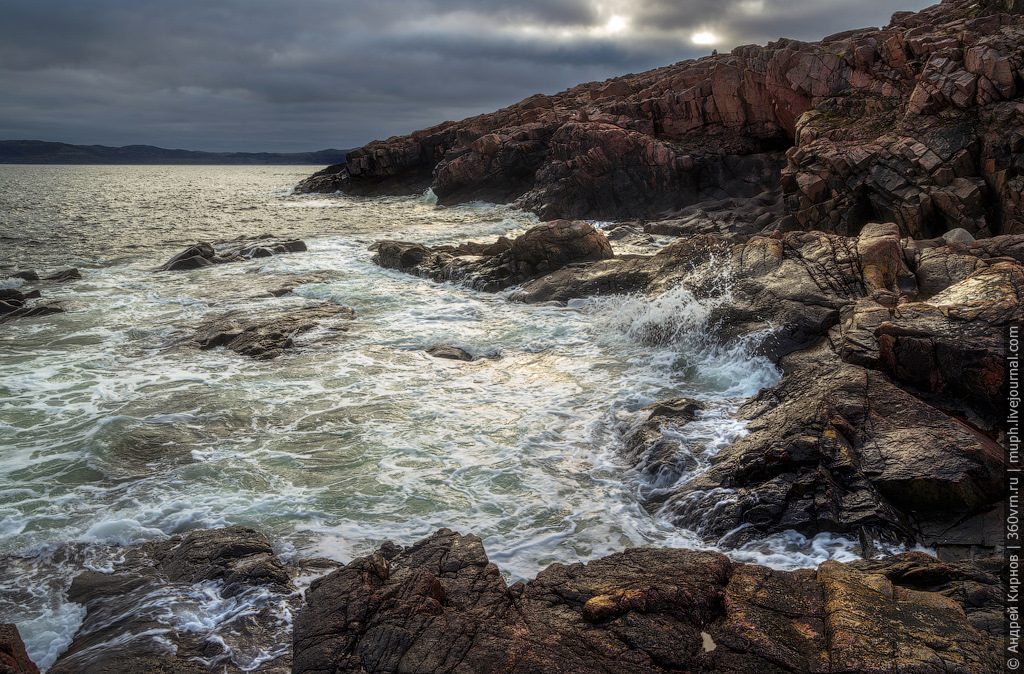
(440, 606)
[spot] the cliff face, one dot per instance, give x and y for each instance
(919, 123)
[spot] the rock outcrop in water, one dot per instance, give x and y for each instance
(206, 254)
(268, 337)
(131, 627)
(918, 123)
(504, 263)
(15, 304)
(439, 606)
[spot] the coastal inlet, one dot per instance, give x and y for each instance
(117, 428)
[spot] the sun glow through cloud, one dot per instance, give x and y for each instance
(704, 37)
(616, 24)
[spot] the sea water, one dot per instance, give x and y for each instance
(115, 431)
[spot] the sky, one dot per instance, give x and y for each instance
(302, 75)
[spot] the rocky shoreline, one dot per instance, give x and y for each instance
(864, 195)
(883, 430)
(439, 605)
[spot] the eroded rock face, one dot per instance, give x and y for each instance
(918, 123)
(840, 449)
(439, 606)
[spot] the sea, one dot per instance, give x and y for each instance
(115, 430)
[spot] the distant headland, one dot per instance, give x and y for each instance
(42, 152)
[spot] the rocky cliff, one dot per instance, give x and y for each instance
(918, 123)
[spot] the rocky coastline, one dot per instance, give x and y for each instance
(864, 193)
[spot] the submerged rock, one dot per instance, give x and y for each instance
(64, 275)
(267, 338)
(440, 606)
(205, 254)
(137, 616)
(450, 353)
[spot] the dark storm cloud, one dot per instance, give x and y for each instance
(307, 74)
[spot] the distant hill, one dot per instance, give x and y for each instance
(42, 152)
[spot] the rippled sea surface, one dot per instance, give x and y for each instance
(114, 431)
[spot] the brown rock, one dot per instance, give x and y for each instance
(439, 606)
(13, 658)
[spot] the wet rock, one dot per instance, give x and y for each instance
(141, 664)
(64, 275)
(841, 449)
(14, 304)
(13, 658)
(450, 353)
(267, 338)
(26, 275)
(654, 449)
(129, 624)
(193, 257)
(439, 606)
(205, 254)
(493, 267)
(238, 556)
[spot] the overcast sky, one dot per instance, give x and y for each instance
(298, 75)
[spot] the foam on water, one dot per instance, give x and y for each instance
(116, 432)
